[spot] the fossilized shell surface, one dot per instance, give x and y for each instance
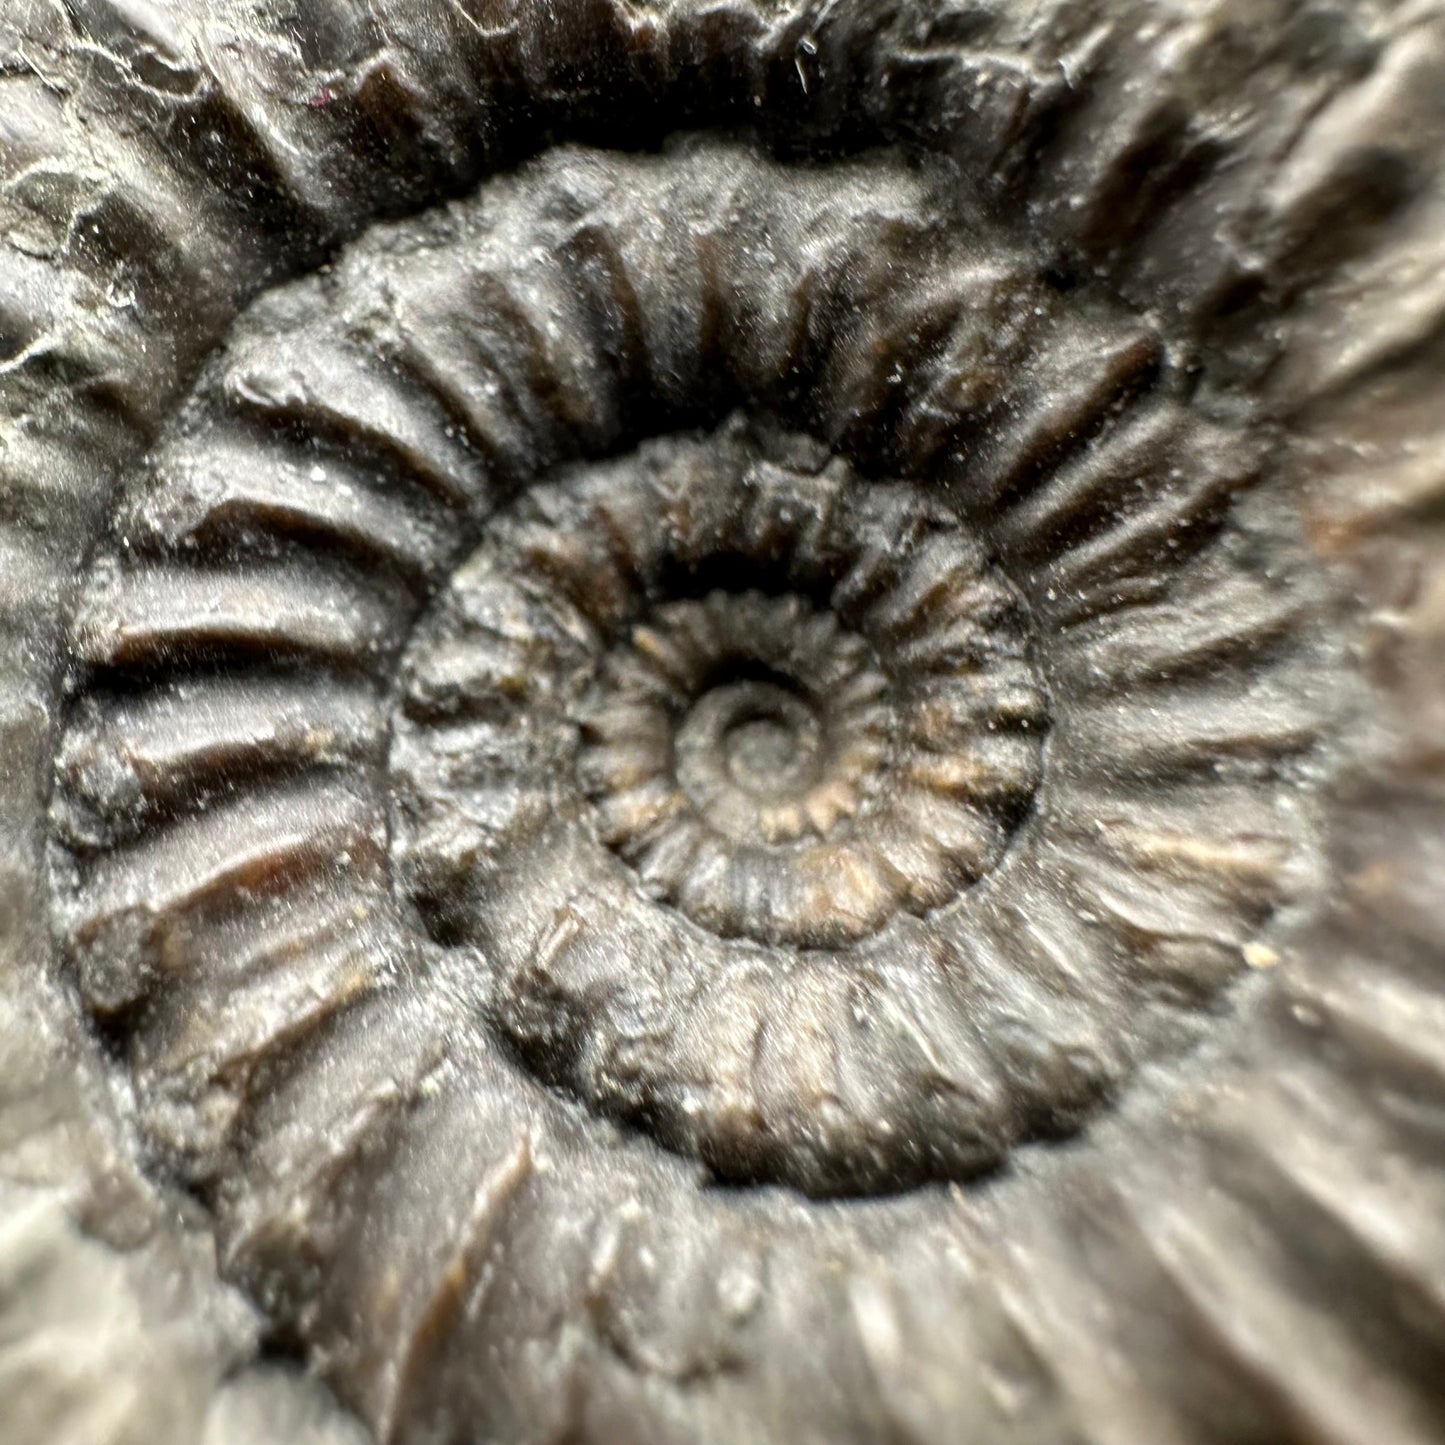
(724, 721)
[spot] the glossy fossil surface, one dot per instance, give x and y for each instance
(768, 775)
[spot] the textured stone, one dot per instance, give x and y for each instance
(618, 620)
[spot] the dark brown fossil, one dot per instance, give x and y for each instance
(726, 716)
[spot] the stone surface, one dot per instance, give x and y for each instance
(721, 720)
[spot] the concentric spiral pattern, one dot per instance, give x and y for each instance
(787, 659)
(586, 685)
(790, 979)
(735, 743)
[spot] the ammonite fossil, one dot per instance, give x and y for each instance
(723, 721)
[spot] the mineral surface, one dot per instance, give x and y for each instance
(722, 721)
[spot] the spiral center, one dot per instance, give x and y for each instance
(747, 753)
(770, 751)
(767, 737)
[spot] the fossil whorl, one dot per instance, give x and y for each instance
(801, 706)
(681, 780)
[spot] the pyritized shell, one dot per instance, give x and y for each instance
(927, 947)
(775, 662)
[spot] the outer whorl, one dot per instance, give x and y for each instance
(738, 715)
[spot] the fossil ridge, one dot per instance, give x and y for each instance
(723, 719)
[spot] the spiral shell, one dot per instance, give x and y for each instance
(703, 788)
